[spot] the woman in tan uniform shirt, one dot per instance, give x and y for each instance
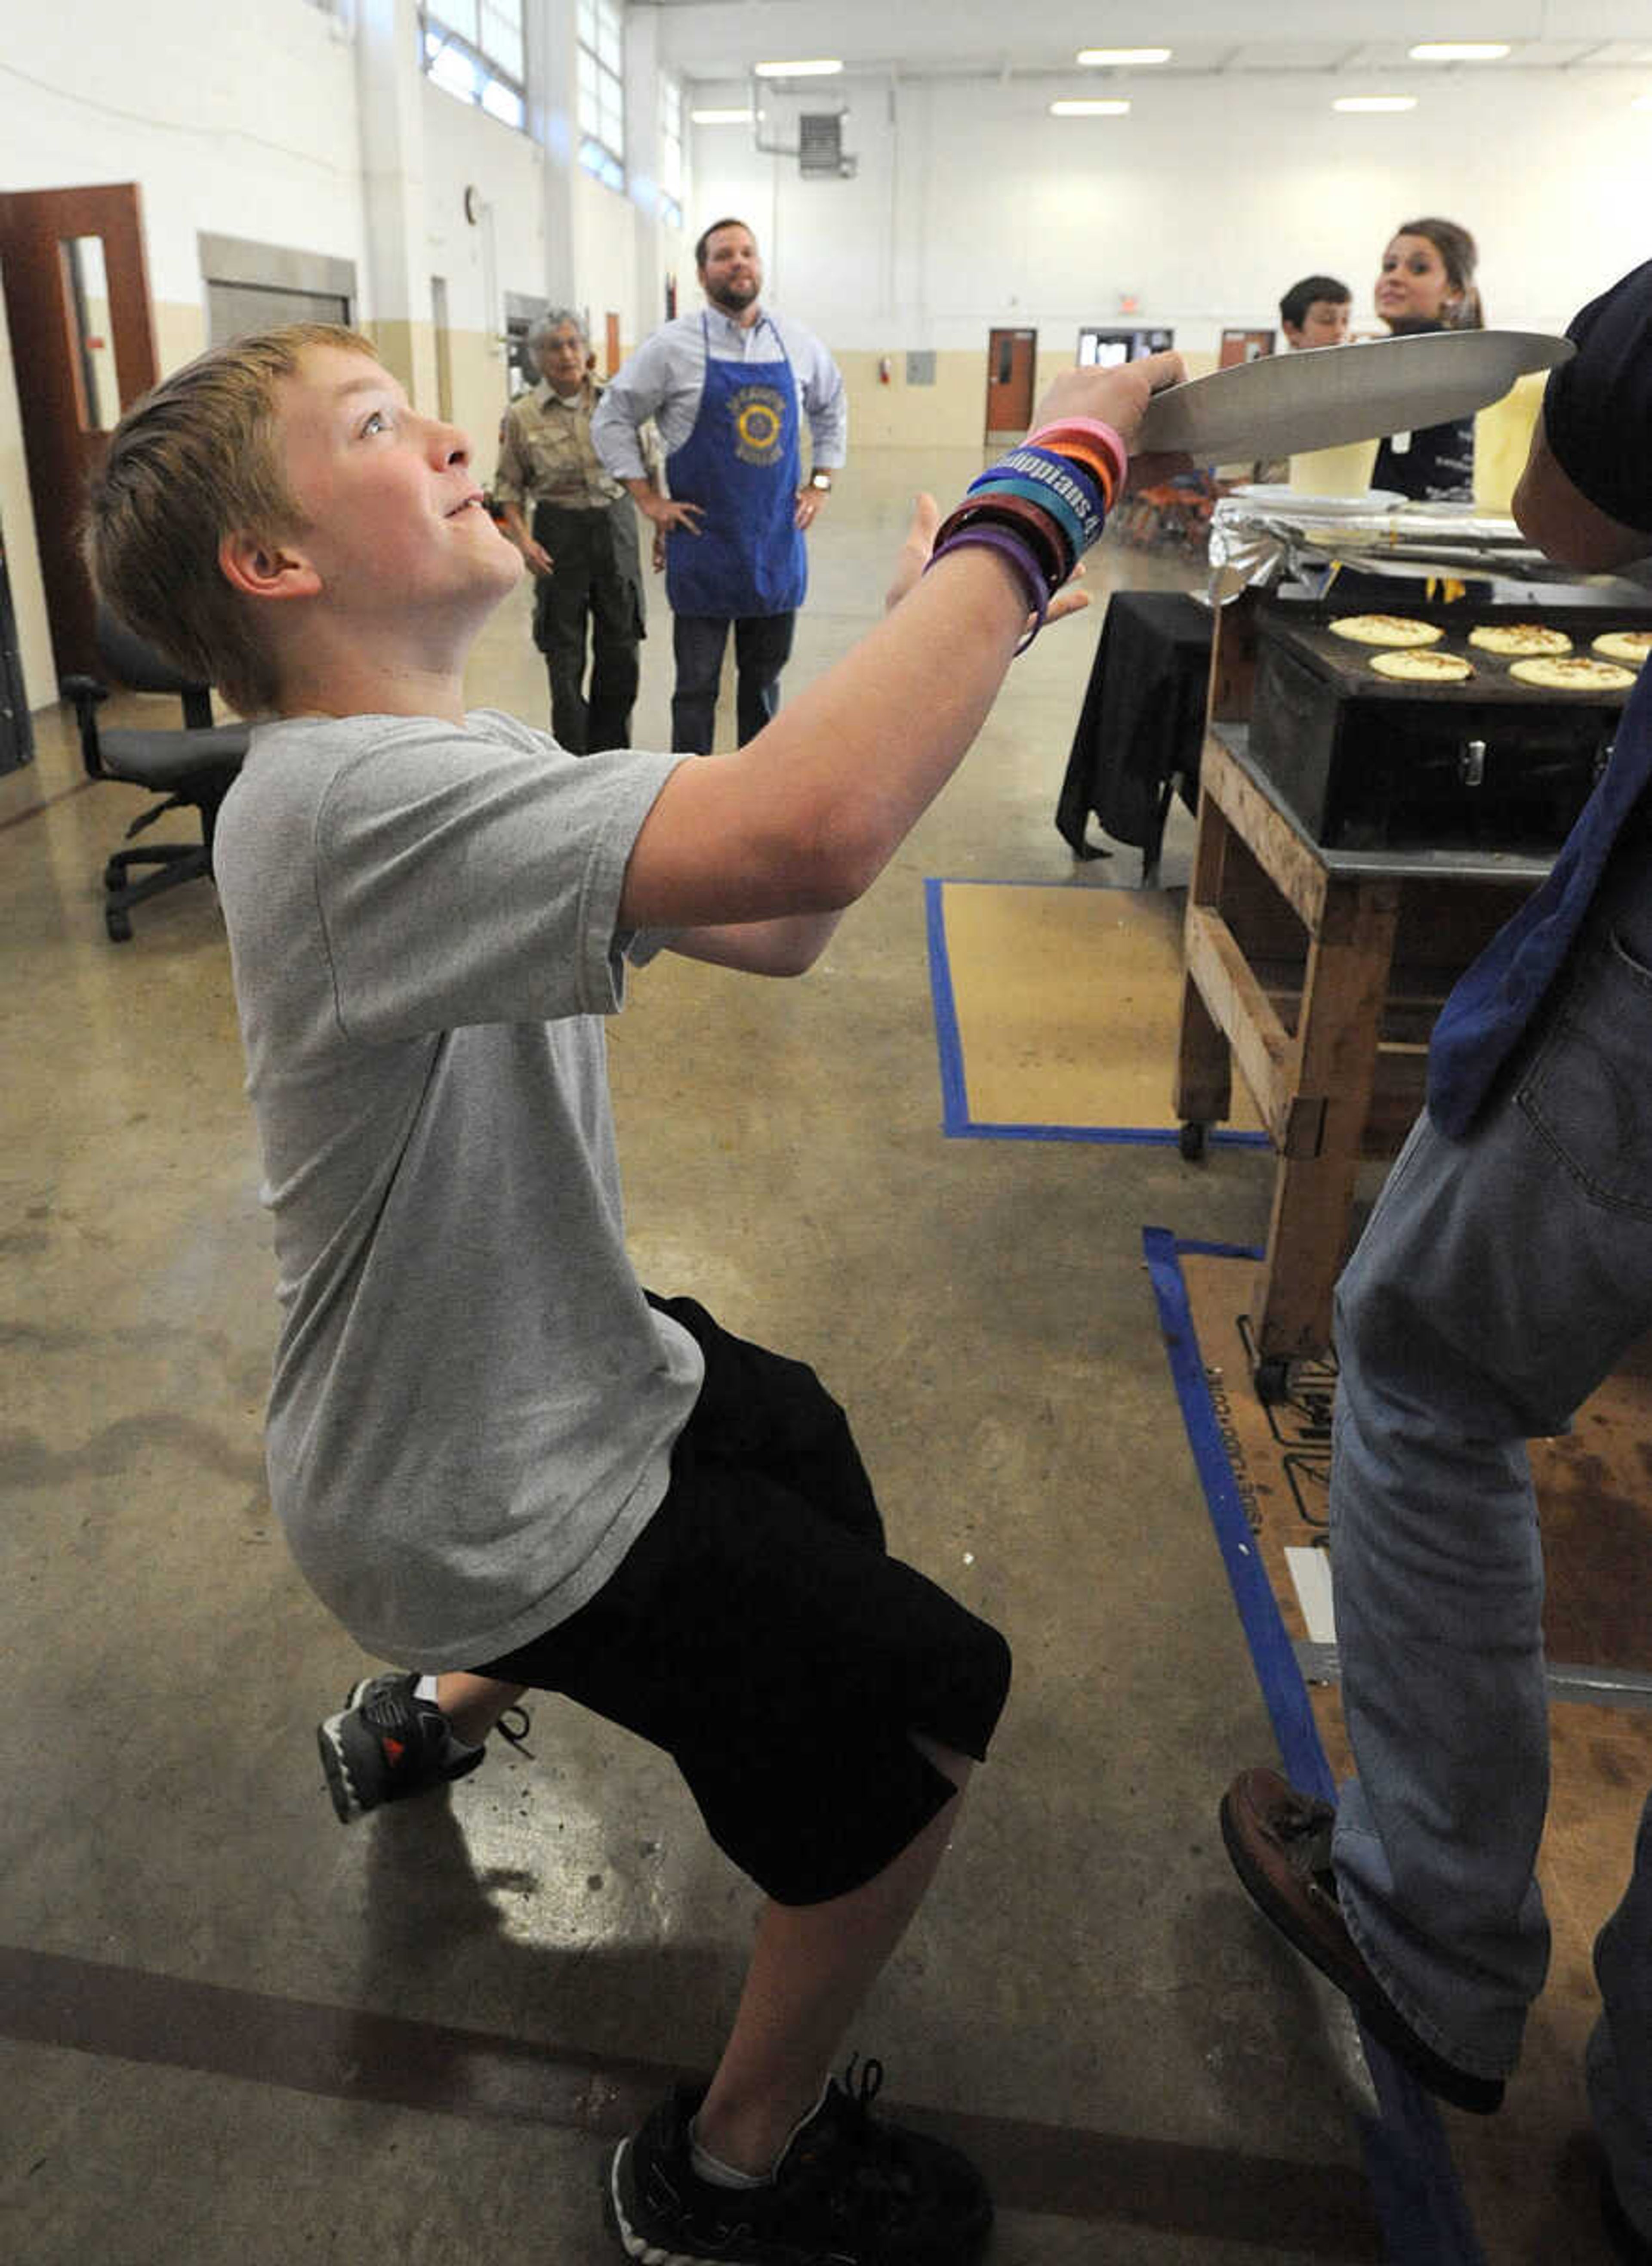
(577, 530)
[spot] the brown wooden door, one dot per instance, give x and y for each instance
(1010, 358)
(1244, 346)
(83, 341)
(611, 345)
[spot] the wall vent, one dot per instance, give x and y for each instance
(819, 147)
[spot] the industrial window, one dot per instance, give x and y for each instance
(671, 153)
(474, 49)
(601, 92)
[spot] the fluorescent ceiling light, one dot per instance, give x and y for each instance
(1460, 51)
(1107, 55)
(1641, 102)
(821, 67)
(720, 117)
(1375, 102)
(1088, 109)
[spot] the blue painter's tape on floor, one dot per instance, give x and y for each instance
(1414, 2182)
(954, 1101)
(957, 1124)
(1270, 1647)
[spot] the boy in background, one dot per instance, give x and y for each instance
(1315, 312)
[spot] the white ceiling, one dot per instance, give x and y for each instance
(721, 39)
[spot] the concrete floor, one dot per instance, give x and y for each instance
(230, 2030)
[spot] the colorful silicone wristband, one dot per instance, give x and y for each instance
(1041, 529)
(1092, 427)
(1037, 528)
(1084, 464)
(1075, 533)
(1010, 547)
(1068, 463)
(1070, 492)
(1046, 436)
(1093, 450)
(1078, 449)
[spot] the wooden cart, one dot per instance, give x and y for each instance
(1319, 972)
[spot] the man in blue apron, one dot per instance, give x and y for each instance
(729, 389)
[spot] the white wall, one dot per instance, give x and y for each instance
(239, 121)
(605, 260)
(247, 121)
(464, 148)
(973, 206)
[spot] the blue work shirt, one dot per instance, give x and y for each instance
(1597, 420)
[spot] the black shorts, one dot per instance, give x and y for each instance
(757, 1631)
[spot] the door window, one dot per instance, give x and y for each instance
(86, 289)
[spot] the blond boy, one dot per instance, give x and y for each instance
(494, 1454)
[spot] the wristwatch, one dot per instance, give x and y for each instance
(821, 480)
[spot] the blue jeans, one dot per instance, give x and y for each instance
(1499, 1281)
(762, 646)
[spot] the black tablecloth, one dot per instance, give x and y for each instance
(1142, 723)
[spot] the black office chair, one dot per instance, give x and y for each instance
(191, 769)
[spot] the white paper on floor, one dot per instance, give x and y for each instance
(1311, 1571)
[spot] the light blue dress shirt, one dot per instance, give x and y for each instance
(665, 377)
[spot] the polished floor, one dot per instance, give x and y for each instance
(232, 2031)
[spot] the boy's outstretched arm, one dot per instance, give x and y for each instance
(801, 820)
(791, 944)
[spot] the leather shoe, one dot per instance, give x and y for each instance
(1279, 1843)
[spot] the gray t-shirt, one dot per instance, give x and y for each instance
(474, 1406)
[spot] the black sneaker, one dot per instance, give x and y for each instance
(386, 1743)
(847, 2192)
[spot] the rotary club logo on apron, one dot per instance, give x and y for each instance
(741, 463)
(759, 415)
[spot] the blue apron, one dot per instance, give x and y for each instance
(742, 462)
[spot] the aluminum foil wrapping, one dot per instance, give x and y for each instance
(1258, 541)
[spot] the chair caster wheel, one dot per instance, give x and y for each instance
(120, 927)
(1191, 1142)
(1272, 1380)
